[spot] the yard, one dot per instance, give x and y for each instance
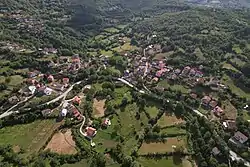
(169, 119)
(62, 143)
(162, 147)
(31, 137)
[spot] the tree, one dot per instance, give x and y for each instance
(98, 160)
(127, 162)
(7, 80)
(179, 109)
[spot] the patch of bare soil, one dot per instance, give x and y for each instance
(99, 108)
(16, 149)
(62, 143)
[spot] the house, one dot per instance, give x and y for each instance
(13, 100)
(218, 111)
(106, 122)
(86, 88)
(58, 87)
(31, 90)
(229, 125)
(238, 140)
(75, 59)
(199, 74)
(47, 91)
(215, 151)
(76, 100)
(33, 74)
(64, 112)
(193, 95)
(65, 81)
(31, 81)
(186, 70)
(205, 100)
(46, 112)
(192, 72)
(177, 71)
(213, 104)
(90, 132)
(50, 78)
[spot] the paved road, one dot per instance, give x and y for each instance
(83, 122)
(64, 94)
(9, 112)
(130, 85)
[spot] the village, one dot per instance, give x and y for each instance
(101, 104)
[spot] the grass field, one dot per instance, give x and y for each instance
(161, 56)
(199, 54)
(152, 111)
(237, 49)
(229, 67)
(104, 139)
(236, 90)
(168, 120)
(111, 30)
(176, 87)
(162, 147)
(164, 162)
(172, 130)
(125, 47)
(121, 93)
(31, 137)
(107, 53)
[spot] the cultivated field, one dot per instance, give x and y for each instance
(98, 108)
(229, 109)
(169, 119)
(62, 143)
(31, 137)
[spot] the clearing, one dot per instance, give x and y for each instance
(62, 143)
(230, 67)
(162, 147)
(98, 108)
(229, 109)
(169, 119)
(152, 111)
(236, 90)
(161, 56)
(165, 84)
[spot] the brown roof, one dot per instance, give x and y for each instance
(206, 100)
(213, 103)
(240, 137)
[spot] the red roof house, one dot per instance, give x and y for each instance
(90, 132)
(76, 100)
(218, 111)
(65, 81)
(50, 78)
